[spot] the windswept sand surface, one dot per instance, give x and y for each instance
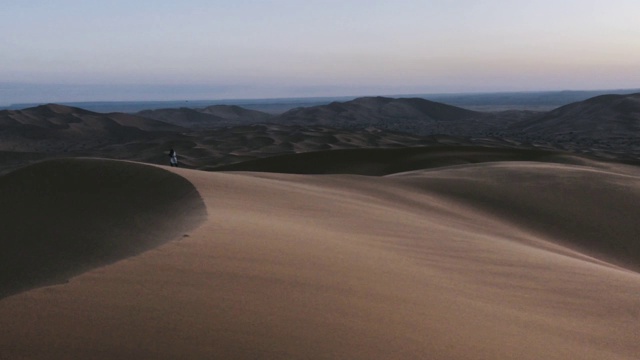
(509, 260)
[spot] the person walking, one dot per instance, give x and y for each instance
(173, 158)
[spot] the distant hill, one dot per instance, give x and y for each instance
(526, 100)
(610, 115)
(605, 126)
(237, 114)
(613, 114)
(607, 123)
(59, 128)
(208, 117)
(410, 115)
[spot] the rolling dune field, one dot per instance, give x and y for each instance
(492, 260)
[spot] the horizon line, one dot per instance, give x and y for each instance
(311, 98)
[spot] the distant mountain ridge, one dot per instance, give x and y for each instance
(208, 117)
(608, 124)
(612, 113)
(61, 115)
(54, 128)
(380, 112)
(604, 126)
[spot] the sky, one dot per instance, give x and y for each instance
(81, 50)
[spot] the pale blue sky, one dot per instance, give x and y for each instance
(197, 49)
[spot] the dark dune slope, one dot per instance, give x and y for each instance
(62, 217)
(378, 162)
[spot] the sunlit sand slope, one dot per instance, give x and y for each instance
(60, 218)
(411, 266)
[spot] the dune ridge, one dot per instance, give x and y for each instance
(359, 267)
(63, 217)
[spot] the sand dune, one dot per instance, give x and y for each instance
(590, 208)
(63, 217)
(414, 265)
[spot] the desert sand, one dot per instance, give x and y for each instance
(497, 260)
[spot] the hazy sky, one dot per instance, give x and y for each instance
(67, 50)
